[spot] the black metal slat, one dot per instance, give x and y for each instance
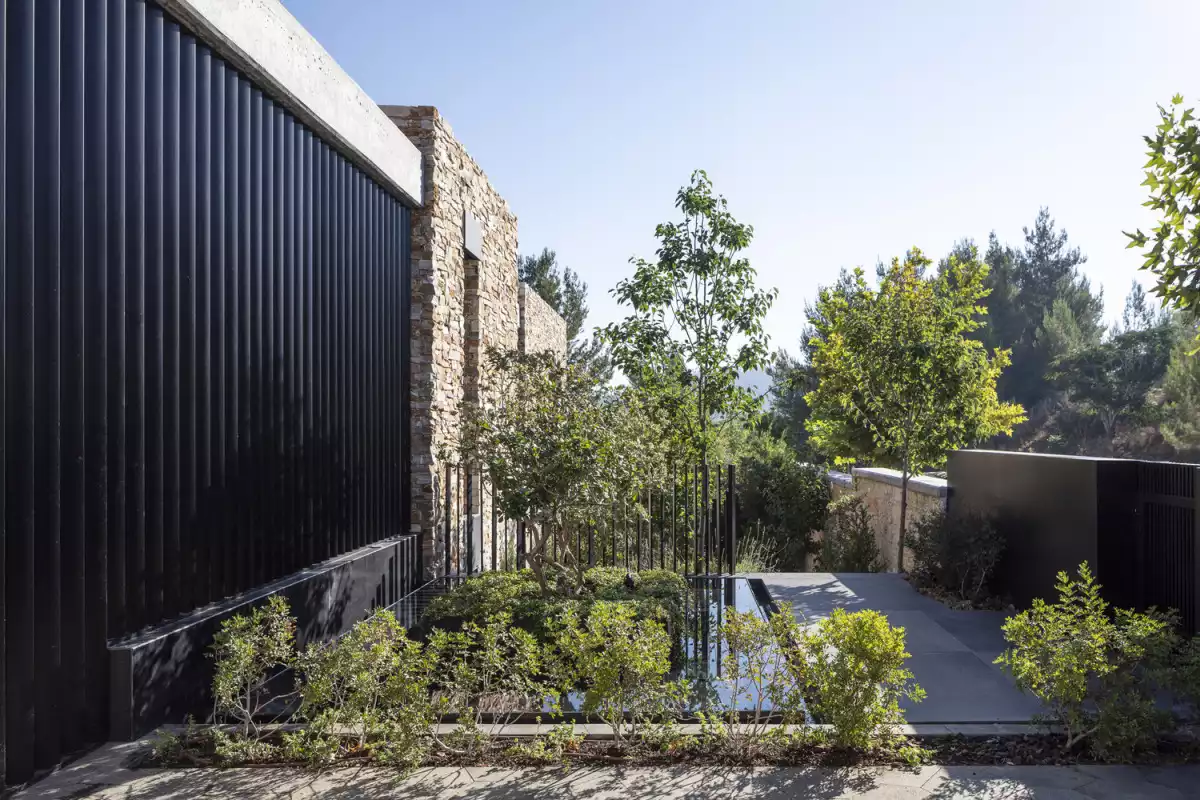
(19, 405)
(93, 721)
(256, 317)
(231, 325)
(47, 409)
(3, 384)
(135, 318)
(188, 457)
(154, 317)
(217, 533)
(202, 277)
(245, 255)
(72, 233)
(173, 601)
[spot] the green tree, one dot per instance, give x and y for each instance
(558, 450)
(1140, 312)
(1181, 392)
(1111, 380)
(791, 380)
(1173, 177)
(898, 361)
(565, 292)
(1044, 272)
(696, 321)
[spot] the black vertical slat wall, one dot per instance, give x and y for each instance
(204, 331)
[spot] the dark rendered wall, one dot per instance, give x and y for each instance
(204, 322)
(1045, 505)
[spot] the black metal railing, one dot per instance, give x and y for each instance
(685, 521)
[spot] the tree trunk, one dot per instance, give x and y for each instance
(903, 515)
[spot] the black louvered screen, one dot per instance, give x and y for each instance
(1168, 532)
(204, 323)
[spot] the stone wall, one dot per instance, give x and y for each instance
(542, 329)
(463, 302)
(460, 305)
(880, 490)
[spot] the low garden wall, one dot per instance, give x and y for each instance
(880, 490)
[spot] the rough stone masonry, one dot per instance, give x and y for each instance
(462, 303)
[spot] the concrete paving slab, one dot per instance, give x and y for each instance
(962, 689)
(953, 651)
(924, 635)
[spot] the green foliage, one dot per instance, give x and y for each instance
(898, 363)
(493, 668)
(1091, 668)
(558, 451)
(374, 682)
(848, 543)
(780, 501)
(250, 650)
(1111, 380)
(551, 748)
(791, 380)
(756, 553)
(857, 676)
(696, 321)
(1181, 392)
(756, 674)
(1172, 248)
(1040, 307)
(620, 662)
(1183, 677)
(566, 293)
(957, 552)
(656, 595)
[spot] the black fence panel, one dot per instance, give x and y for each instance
(685, 522)
(204, 328)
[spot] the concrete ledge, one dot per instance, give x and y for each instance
(842, 479)
(263, 40)
(921, 484)
(162, 675)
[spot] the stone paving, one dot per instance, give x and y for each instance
(102, 775)
(952, 651)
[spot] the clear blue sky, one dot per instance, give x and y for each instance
(844, 132)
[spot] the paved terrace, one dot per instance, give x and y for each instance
(952, 651)
(102, 775)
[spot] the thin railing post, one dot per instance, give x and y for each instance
(470, 526)
(446, 543)
(731, 525)
(707, 518)
(492, 496)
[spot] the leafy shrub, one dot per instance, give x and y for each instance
(482, 597)
(250, 650)
(1093, 670)
(848, 544)
(782, 501)
(957, 552)
(856, 676)
(619, 661)
(756, 674)
(493, 669)
(551, 748)
(656, 594)
(373, 681)
(1183, 675)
